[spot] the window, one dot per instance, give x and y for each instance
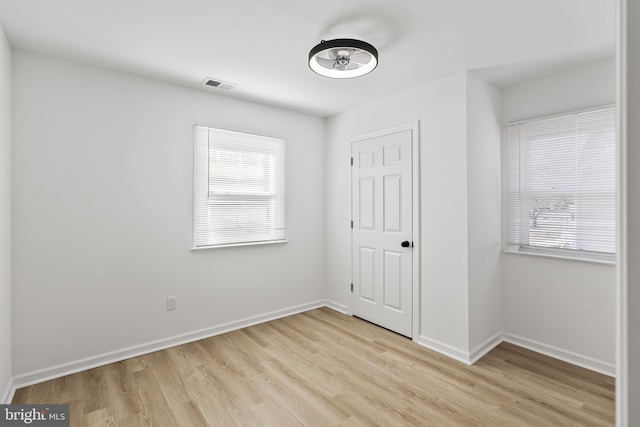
(561, 185)
(238, 188)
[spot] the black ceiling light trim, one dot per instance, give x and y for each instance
(343, 58)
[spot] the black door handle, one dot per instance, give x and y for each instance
(405, 244)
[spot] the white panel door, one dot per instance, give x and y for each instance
(382, 232)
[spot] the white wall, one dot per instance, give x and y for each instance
(588, 86)
(441, 108)
(102, 211)
(102, 215)
(632, 380)
(469, 291)
(5, 217)
(483, 181)
(567, 305)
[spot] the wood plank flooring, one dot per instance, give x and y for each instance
(321, 368)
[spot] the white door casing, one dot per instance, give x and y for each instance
(384, 186)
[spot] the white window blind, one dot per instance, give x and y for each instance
(561, 185)
(239, 189)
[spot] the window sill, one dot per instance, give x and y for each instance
(234, 245)
(565, 255)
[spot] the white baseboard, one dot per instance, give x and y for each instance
(485, 347)
(63, 369)
(336, 306)
(564, 355)
(460, 355)
(68, 368)
(7, 394)
(548, 350)
(445, 349)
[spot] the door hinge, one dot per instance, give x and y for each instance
(352, 224)
(352, 161)
(352, 287)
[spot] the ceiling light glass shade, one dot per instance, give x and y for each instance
(343, 58)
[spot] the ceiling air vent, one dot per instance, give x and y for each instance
(219, 84)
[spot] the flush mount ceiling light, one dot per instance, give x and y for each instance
(343, 58)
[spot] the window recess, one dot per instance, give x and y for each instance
(561, 185)
(239, 191)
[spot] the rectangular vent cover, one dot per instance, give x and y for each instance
(219, 84)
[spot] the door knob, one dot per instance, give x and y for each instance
(405, 244)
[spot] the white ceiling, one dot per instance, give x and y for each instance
(262, 45)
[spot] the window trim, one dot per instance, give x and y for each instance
(520, 249)
(566, 254)
(194, 247)
(233, 245)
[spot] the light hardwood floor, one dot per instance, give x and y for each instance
(324, 368)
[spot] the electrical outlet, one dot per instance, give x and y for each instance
(171, 303)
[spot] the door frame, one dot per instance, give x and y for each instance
(414, 127)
